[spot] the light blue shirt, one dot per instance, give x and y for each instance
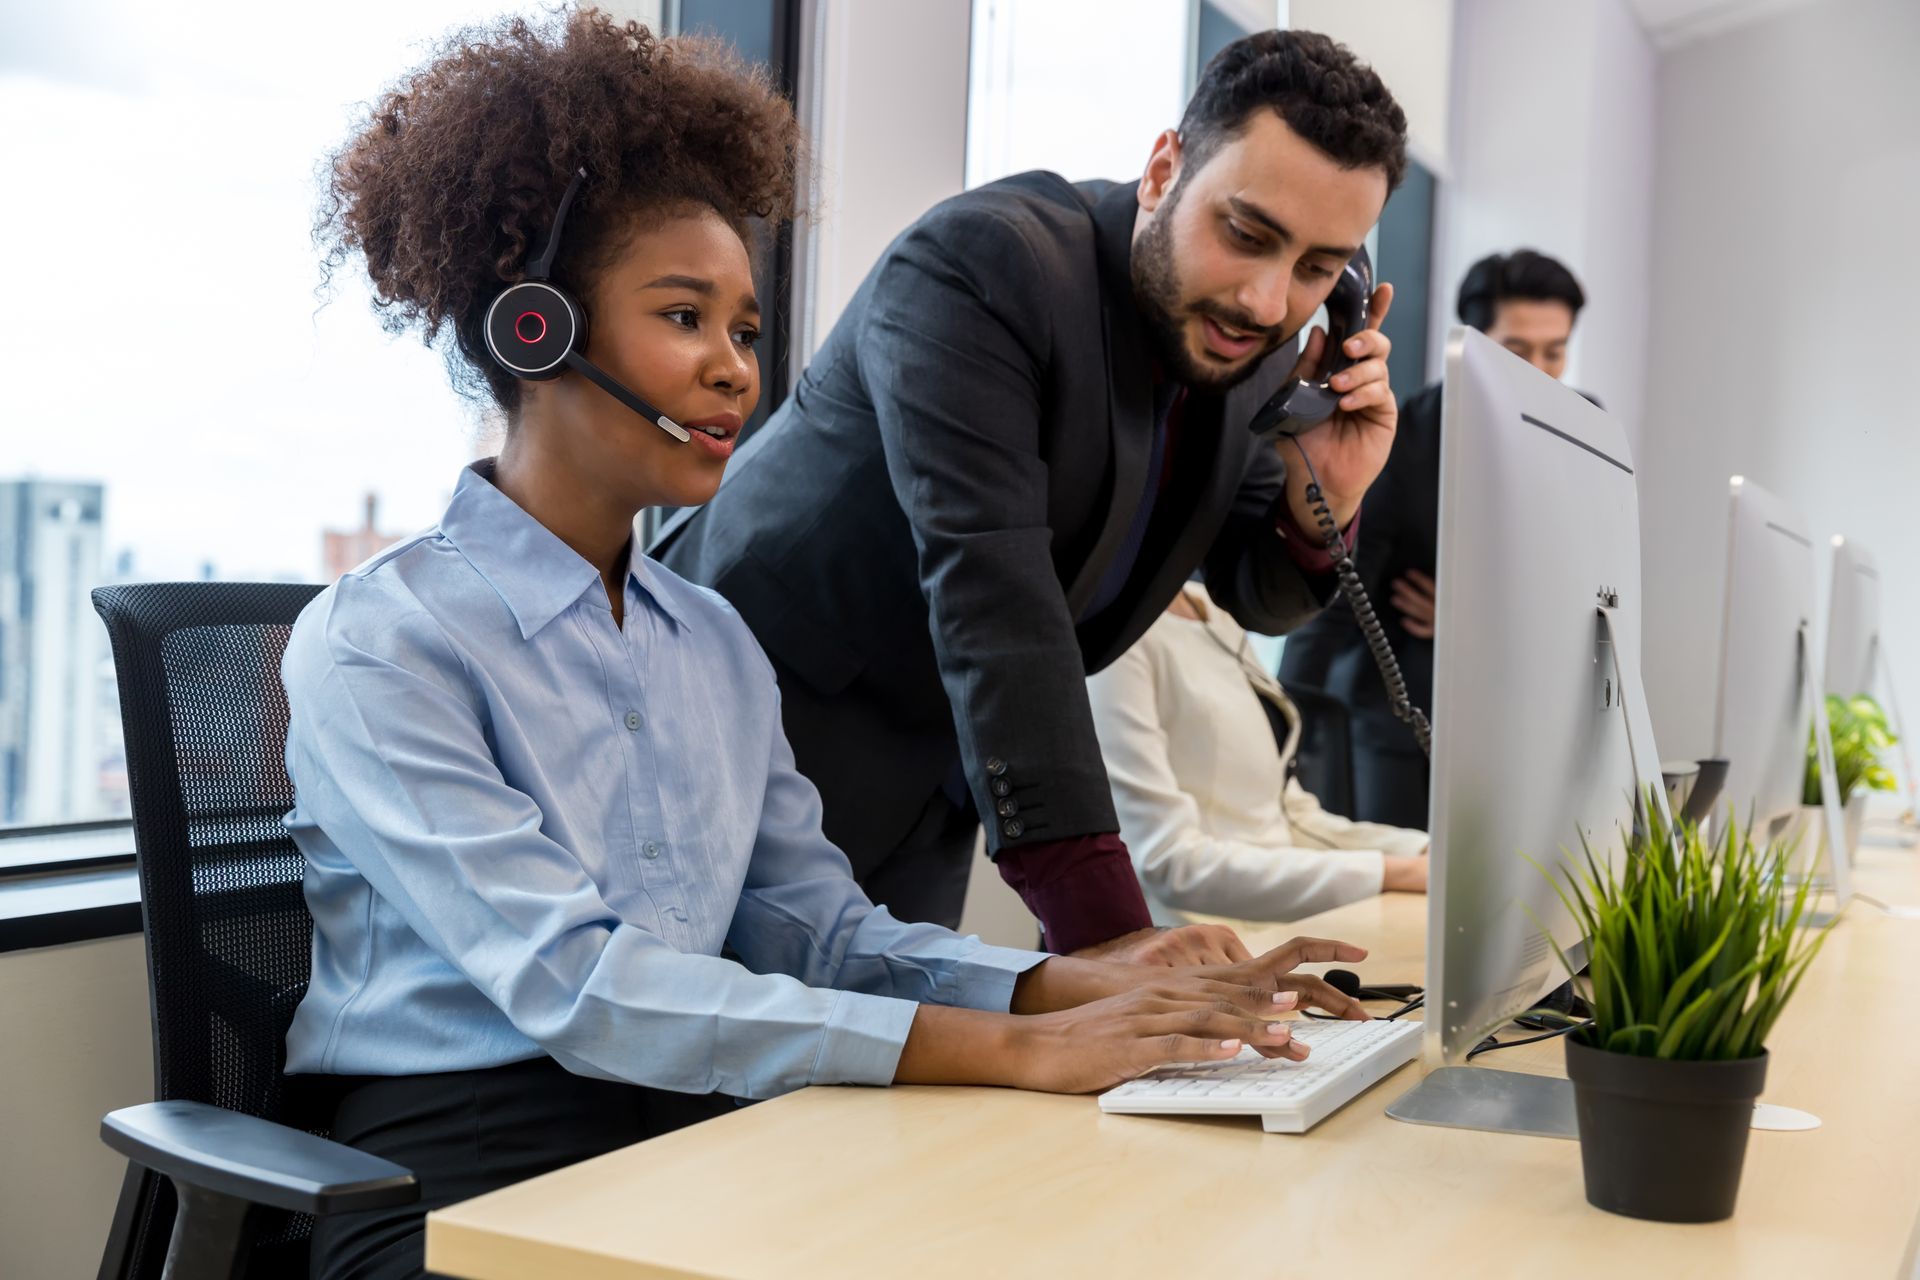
(530, 831)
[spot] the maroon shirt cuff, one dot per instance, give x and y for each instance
(1081, 889)
(1306, 547)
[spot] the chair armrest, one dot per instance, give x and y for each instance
(243, 1156)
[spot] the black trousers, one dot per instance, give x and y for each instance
(468, 1132)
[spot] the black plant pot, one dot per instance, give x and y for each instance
(1660, 1139)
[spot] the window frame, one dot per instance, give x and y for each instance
(92, 891)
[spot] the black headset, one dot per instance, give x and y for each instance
(535, 329)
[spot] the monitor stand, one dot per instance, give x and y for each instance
(1514, 1101)
(1839, 856)
(1493, 1101)
(1899, 730)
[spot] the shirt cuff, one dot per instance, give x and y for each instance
(863, 1039)
(1308, 549)
(1404, 842)
(986, 977)
(1376, 864)
(1083, 889)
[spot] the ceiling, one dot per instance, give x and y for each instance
(1673, 23)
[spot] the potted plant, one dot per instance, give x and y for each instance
(1858, 726)
(1692, 953)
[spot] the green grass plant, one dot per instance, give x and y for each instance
(1693, 950)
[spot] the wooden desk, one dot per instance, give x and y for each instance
(951, 1182)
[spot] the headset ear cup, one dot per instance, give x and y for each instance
(531, 327)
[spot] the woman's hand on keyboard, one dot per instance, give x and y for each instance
(1173, 1017)
(1178, 1019)
(1276, 968)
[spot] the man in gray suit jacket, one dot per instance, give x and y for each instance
(1027, 429)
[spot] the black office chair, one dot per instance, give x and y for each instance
(1324, 762)
(225, 1168)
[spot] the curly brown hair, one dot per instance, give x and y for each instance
(450, 183)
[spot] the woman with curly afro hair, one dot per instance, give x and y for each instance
(568, 889)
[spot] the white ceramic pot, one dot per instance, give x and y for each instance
(1808, 839)
(1854, 819)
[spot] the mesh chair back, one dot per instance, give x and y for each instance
(227, 931)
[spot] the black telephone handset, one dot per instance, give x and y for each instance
(1300, 405)
(1307, 403)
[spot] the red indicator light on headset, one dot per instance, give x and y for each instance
(520, 331)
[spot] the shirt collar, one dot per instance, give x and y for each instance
(535, 573)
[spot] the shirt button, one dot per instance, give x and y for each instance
(1007, 808)
(1012, 828)
(633, 719)
(1000, 786)
(995, 766)
(650, 849)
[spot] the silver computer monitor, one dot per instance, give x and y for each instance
(1539, 537)
(1857, 659)
(1853, 620)
(1762, 707)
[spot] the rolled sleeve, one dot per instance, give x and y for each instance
(1308, 550)
(863, 1039)
(987, 974)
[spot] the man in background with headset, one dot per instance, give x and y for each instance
(1026, 430)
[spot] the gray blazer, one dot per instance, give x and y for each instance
(913, 533)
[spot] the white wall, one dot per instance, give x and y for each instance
(883, 95)
(1553, 141)
(1081, 87)
(76, 1045)
(1410, 43)
(1786, 215)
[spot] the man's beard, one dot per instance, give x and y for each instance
(1156, 287)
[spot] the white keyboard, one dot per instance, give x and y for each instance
(1289, 1097)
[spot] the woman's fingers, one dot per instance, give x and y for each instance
(1150, 1052)
(1318, 993)
(1255, 999)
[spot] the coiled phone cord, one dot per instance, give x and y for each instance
(1356, 594)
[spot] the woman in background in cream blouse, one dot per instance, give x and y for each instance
(1214, 824)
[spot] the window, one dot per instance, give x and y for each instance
(1081, 87)
(193, 410)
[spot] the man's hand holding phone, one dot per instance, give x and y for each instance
(1349, 449)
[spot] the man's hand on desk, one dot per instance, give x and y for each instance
(1192, 944)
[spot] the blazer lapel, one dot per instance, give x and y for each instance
(1129, 356)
